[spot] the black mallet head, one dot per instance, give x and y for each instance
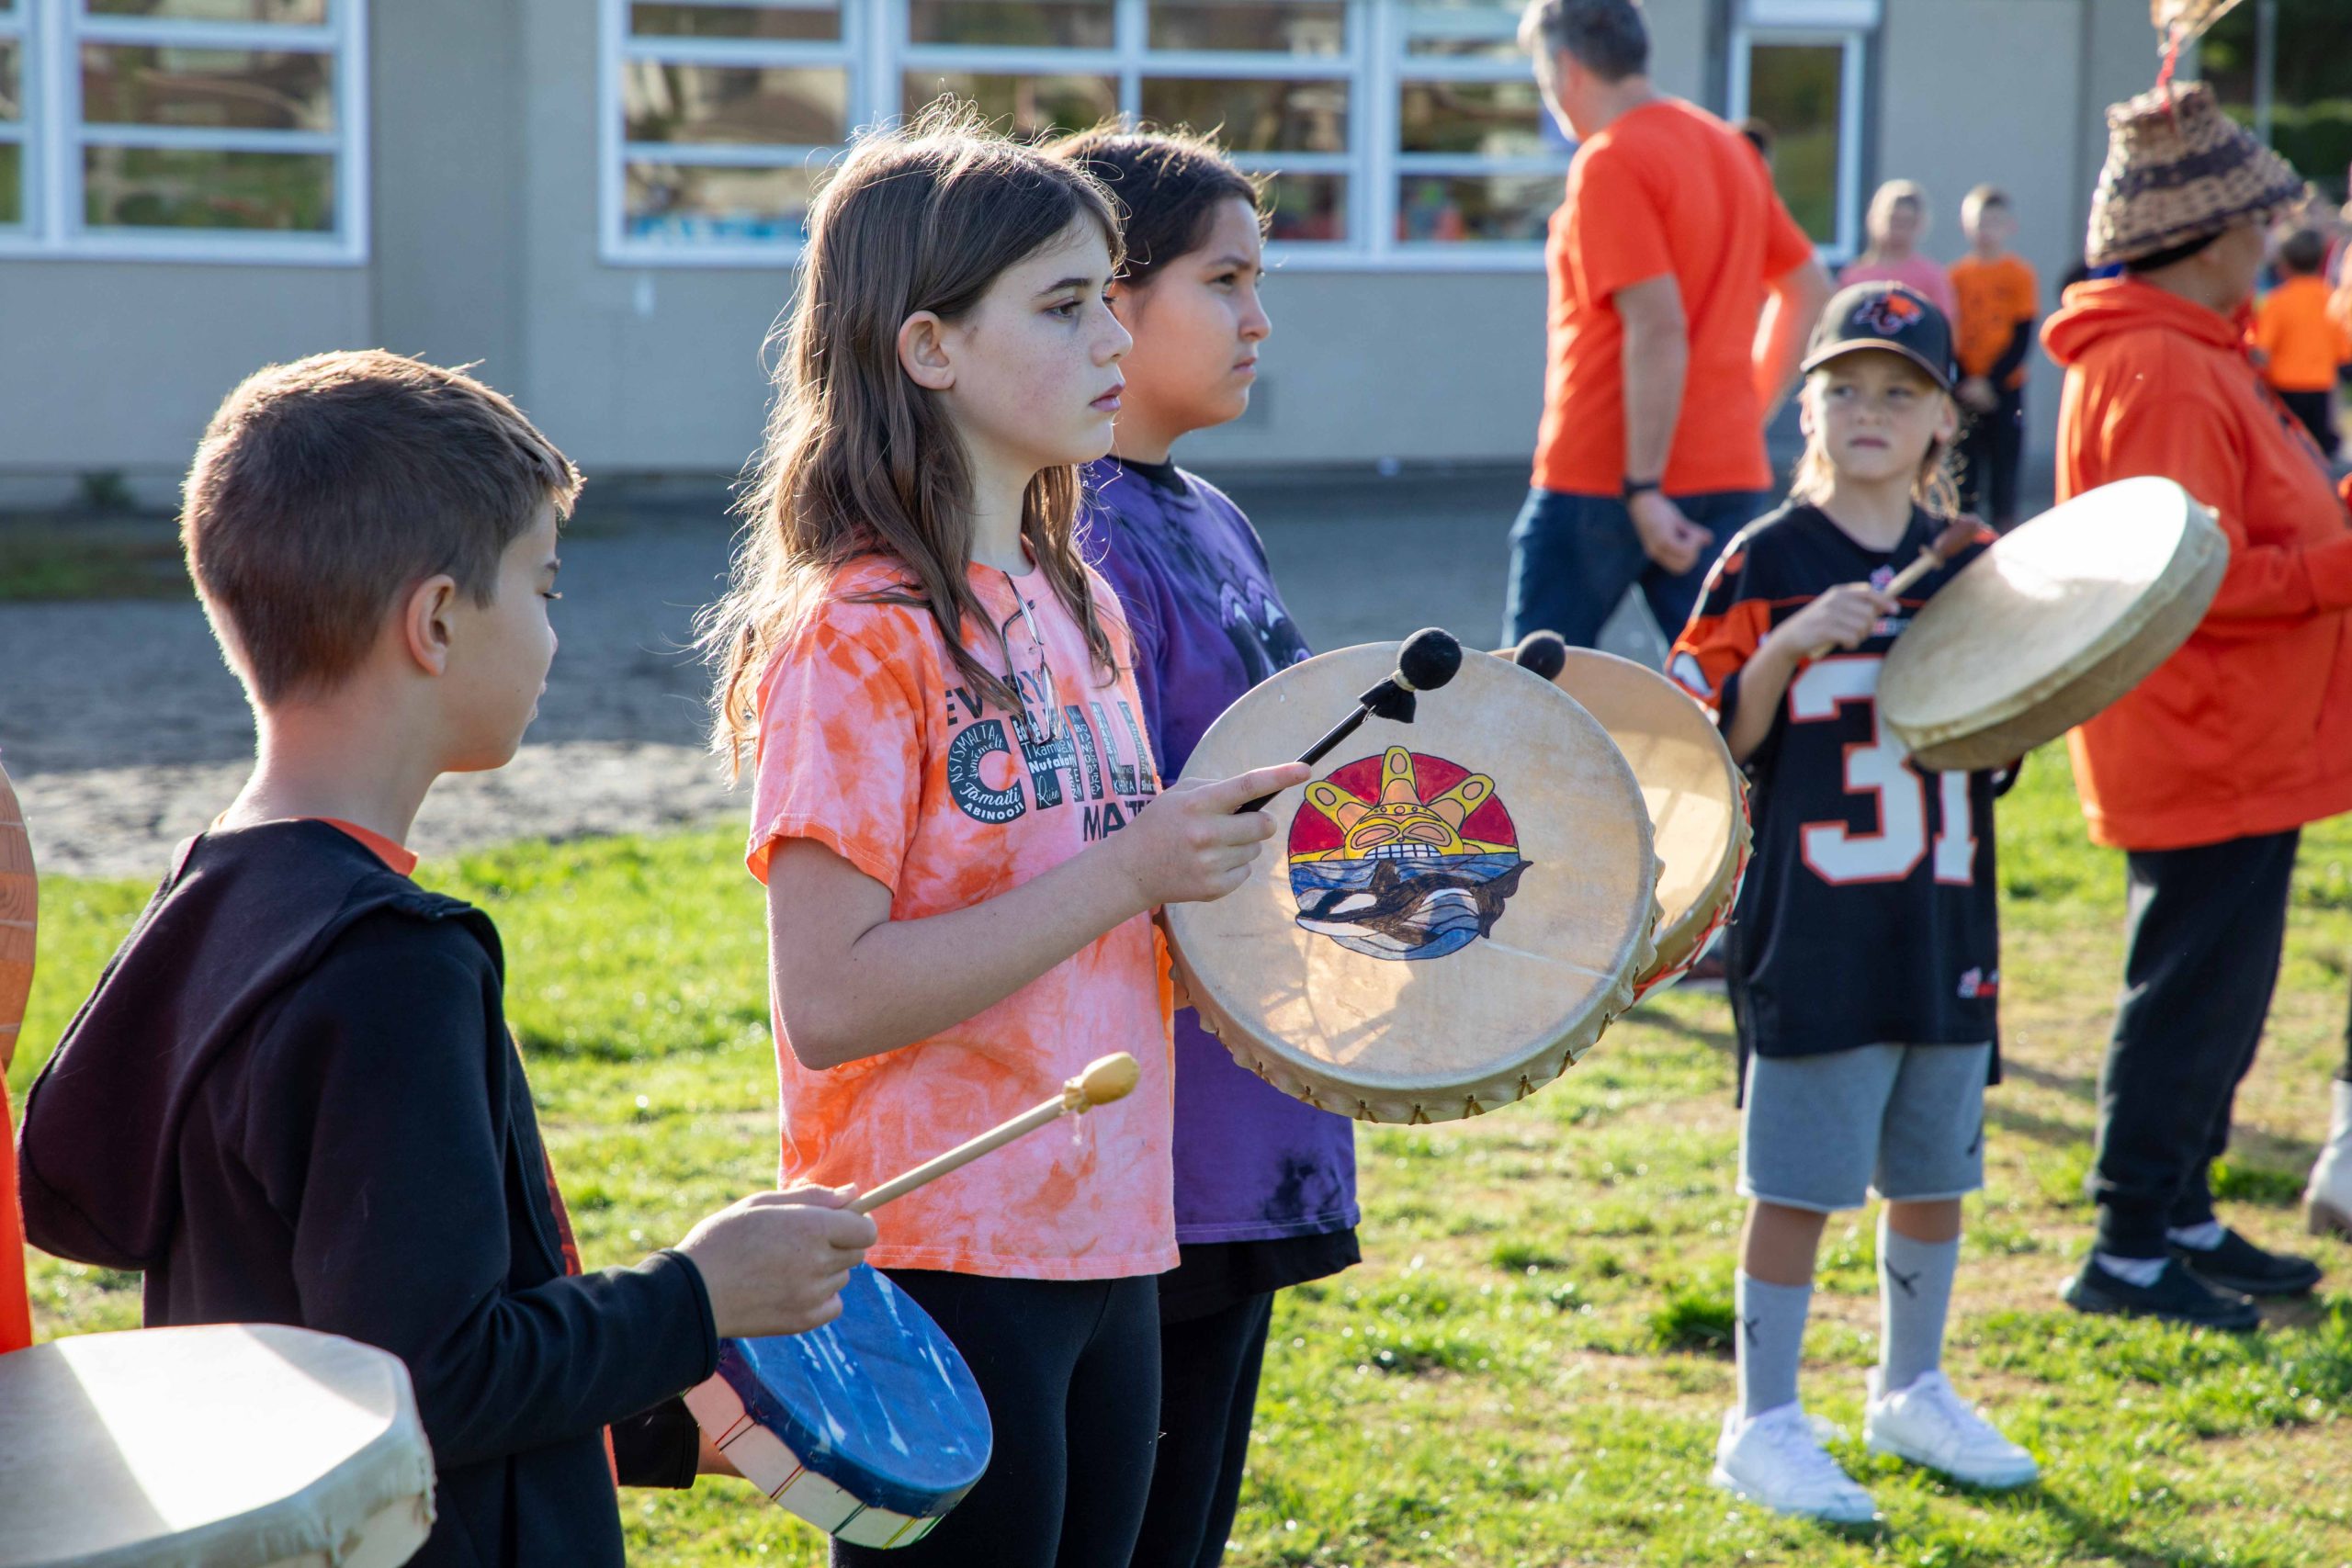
(1429, 660)
(1543, 654)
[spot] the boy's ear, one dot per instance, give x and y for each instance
(924, 354)
(424, 622)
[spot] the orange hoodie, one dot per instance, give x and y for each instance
(2249, 728)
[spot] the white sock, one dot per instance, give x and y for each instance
(2197, 1238)
(1915, 1292)
(1771, 1340)
(2140, 1272)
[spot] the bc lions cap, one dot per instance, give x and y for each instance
(1883, 316)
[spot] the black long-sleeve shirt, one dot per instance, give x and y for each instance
(293, 1098)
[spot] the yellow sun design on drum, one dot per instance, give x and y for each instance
(1403, 856)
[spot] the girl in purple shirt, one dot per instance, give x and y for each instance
(1265, 1184)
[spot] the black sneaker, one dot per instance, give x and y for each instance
(2178, 1296)
(2238, 1265)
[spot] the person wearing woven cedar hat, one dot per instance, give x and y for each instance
(2206, 773)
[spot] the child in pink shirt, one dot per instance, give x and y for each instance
(957, 813)
(1898, 221)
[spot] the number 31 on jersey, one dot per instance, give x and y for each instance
(1881, 770)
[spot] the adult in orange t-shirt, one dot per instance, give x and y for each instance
(2301, 340)
(2205, 773)
(1680, 294)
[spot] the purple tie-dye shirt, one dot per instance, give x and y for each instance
(1252, 1164)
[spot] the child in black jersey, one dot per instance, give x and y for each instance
(1864, 952)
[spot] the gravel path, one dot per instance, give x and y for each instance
(125, 733)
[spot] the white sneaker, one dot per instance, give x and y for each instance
(2327, 1201)
(1776, 1459)
(1929, 1424)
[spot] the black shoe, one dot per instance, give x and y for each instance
(2238, 1265)
(2178, 1296)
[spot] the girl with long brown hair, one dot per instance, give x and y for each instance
(951, 783)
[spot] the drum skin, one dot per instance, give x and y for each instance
(1451, 911)
(226, 1446)
(2053, 623)
(1696, 794)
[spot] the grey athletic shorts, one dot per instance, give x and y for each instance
(1901, 1121)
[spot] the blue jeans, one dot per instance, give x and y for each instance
(1572, 557)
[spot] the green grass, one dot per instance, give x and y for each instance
(90, 555)
(1529, 1368)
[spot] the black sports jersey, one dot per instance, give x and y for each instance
(1868, 915)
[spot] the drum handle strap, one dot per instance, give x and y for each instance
(1106, 1078)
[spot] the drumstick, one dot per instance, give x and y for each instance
(1950, 542)
(1427, 660)
(1106, 1078)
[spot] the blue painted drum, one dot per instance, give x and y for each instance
(871, 1427)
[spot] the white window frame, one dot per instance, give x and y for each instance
(1846, 25)
(873, 42)
(54, 137)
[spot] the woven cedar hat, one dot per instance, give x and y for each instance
(2178, 170)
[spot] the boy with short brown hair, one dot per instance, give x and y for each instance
(293, 1097)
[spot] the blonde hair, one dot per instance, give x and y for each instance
(1935, 489)
(858, 460)
(1892, 195)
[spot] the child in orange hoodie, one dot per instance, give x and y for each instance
(2300, 340)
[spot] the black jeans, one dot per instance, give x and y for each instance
(2317, 410)
(2205, 929)
(1071, 1370)
(1991, 449)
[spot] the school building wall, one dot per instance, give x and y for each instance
(482, 157)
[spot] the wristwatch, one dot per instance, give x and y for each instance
(1635, 487)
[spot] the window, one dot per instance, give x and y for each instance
(1797, 65)
(186, 130)
(1480, 161)
(13, 116)
(724, 113)
(1388, 132)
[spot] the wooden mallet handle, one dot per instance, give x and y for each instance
(1106, 1078)
(1949, 543)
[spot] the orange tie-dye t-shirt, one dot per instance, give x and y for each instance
(870, 744)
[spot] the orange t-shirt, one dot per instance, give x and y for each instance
(1667, 188)
(870, 744)
(1995, 296)
(2305, 343)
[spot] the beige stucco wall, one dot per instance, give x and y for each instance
(117, 364)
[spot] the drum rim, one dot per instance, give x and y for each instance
(1401, 1098)
(392, 1467)
(2200, 535)
(1689, 926)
